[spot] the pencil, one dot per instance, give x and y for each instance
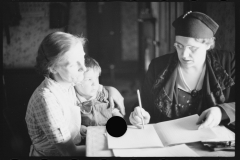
(140, 104)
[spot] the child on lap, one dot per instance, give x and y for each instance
(93, 98)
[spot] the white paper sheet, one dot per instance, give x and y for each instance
(136, 138)
(183, 130)
(173, 151)
(179, 131)
(223, 134)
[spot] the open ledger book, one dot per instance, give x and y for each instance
(179, 131)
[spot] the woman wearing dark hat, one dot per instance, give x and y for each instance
(193, 80)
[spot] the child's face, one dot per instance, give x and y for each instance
(89, 85)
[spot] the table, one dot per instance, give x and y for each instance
(96, 145)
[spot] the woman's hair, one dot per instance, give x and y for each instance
(91, 63)
(208, 41)
(52, 48)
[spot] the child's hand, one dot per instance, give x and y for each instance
(116, 112)
(83, 130)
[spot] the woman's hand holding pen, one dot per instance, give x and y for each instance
(136, 116)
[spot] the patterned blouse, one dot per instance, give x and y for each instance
(52, 117)
(187, 105)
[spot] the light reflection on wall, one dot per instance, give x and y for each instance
(129, 14)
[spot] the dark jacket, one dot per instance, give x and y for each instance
(159, 90)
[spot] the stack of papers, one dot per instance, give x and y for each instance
(162, 139)
(179, 131)
(174, 151)
(223, 135)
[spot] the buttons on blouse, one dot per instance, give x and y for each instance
(180, 105)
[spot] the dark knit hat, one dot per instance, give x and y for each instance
(195, 25)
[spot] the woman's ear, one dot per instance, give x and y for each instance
(52, 70)
(208, 46)
(210, 43)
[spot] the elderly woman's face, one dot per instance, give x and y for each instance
(190, 52)
(71, 67)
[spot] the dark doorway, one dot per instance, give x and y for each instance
(103, 32)
(105, 35)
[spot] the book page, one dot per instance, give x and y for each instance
(223, 134)
(135, 138)
(173, 151)
(182, 130)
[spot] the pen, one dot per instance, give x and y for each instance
(140, 104)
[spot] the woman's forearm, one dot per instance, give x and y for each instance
(115, 96)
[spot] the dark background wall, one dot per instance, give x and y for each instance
(224, 14)
(26, 35)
